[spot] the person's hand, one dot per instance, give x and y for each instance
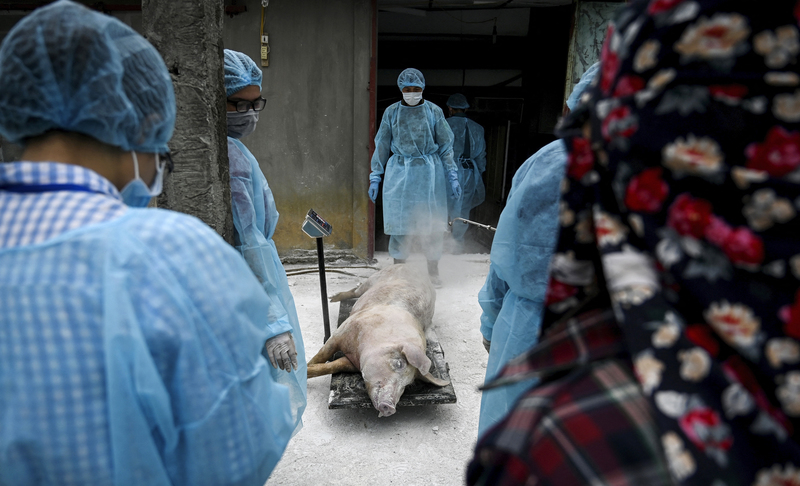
(486, 344)
(373, 190)
(282, 352)
(456, 187)
(452, 176)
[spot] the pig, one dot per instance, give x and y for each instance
(384, 337)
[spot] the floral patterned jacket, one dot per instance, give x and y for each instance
(681, 201)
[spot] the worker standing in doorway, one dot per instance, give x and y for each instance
(469, 153)
(255, 217)
(413, 152)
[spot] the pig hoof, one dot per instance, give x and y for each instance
(385, 409)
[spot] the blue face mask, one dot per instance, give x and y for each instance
(136, 193)
(242, 124)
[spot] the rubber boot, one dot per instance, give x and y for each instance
(433, 273)
(397, 261)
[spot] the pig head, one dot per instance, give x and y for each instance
(384, 337)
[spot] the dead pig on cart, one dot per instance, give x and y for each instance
(384, 337)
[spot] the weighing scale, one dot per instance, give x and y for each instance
(316, 227)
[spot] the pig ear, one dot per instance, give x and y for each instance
(432, 379)
(417, 358)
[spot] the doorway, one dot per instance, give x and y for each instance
(510, 61)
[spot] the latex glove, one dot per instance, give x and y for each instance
(282, 352)
(486, 344)
(373, 190)
(454, 185)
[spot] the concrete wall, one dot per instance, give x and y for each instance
(591, 24)
(312, 140)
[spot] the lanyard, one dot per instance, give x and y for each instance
(36, 188)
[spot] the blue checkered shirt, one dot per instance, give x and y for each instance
(130, 343)
(31, 218)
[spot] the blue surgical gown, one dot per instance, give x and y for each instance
(130, 354)
(513, 296)
(413, 151)
(473, 156)
(255, 217)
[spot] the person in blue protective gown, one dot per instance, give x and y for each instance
(469, 152)
(255, 217)
(513, 296)
(130, 337)
(414, 158)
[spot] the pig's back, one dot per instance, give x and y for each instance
(401, 286)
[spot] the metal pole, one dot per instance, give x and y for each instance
(466, 221)
(324, 290)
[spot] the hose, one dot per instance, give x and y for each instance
(316, 270)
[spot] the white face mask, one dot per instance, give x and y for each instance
(412, 99)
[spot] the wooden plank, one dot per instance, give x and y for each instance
(348, 389)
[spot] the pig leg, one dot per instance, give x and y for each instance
(348, 294)
(341, 365)
(318, 365)
(353, 293)
(327, 351)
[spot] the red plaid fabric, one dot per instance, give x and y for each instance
(592, 335)
(586, 423)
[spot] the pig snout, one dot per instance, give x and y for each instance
(385, 409)
(384, 397)
(384, 400)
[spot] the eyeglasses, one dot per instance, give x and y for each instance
(164, 161)
(244, 106)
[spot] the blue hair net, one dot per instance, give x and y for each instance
(65, 67)
(579, 88)
(411, 77)
(240, 72)
(458, 101)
